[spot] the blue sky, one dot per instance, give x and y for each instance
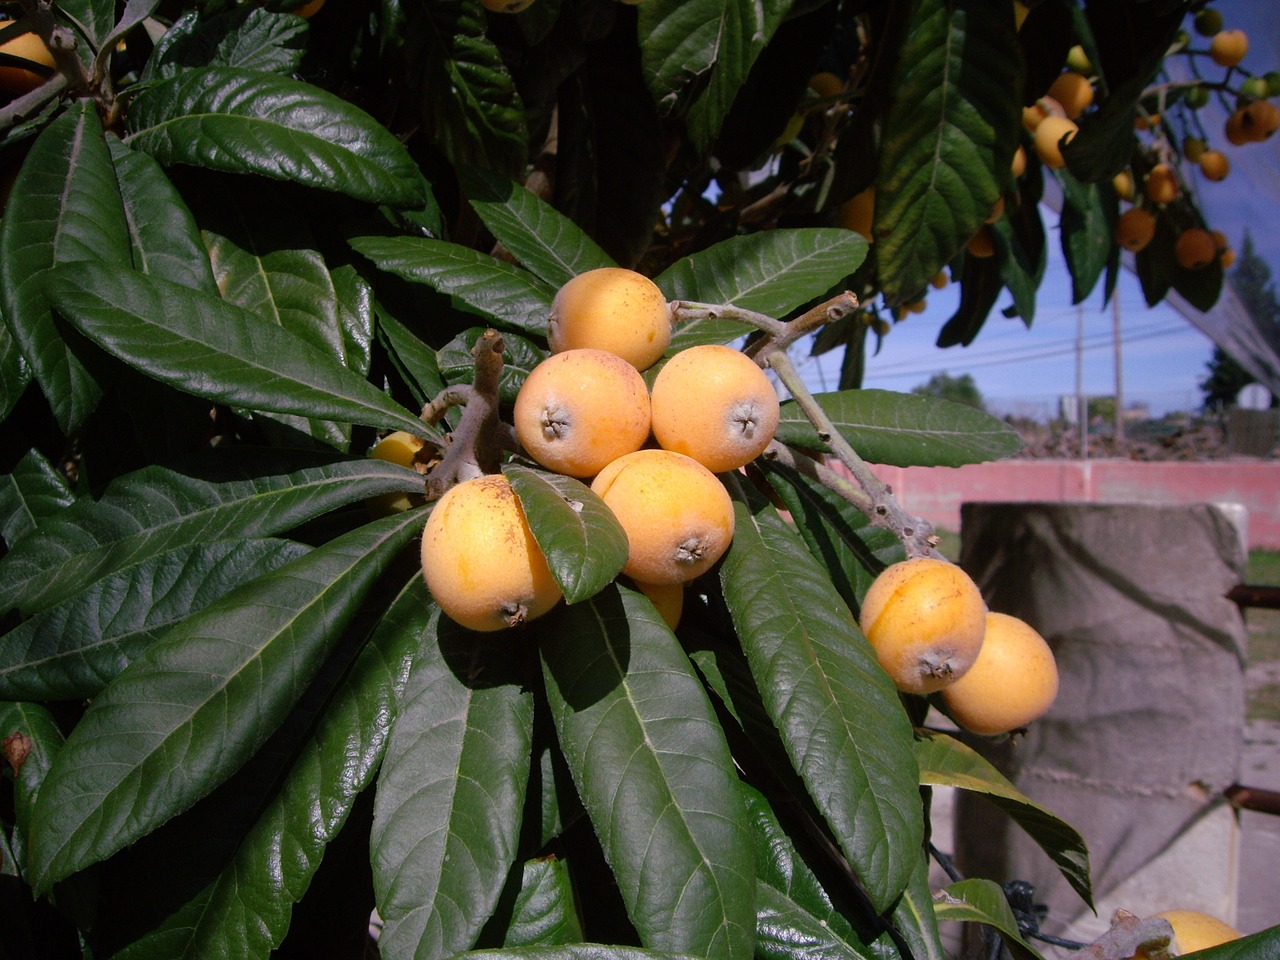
(1164, 356)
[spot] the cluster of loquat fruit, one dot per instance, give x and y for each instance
(932, 633)
(650, 453)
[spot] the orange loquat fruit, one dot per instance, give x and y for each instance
(1013, 681)
(614, 309)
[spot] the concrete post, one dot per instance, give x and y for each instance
(1148, 726)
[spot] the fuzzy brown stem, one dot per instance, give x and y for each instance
(475, 447)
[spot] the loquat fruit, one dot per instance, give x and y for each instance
(1074, 92)
(1194, 930)
(1208, 22)
(667, 599)
(940, 280)
(925, 619)
(1162, 184)
(480, 560)
(1234, 129)
(308, 9)
(1228, 47)
(1259, 120)
(1052, 133)
(826, 84)
(1214, 165)
(677, 514)
(1122, 183)
(614, 309)
(715, 404)
(400, 448)
(981, 244)
(858, 213)
(1013, 681)
(19, 80)
(1135, 228)
(1019, 165)
(1193, 148)
(580, 409)
(1196, 97)
(1195, 249)
(1079, 61)
(505, 6)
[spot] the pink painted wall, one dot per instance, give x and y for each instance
(935, 493)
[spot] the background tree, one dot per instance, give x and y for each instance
(961, 389)
(1251, 280)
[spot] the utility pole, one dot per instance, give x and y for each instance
(1082, 404)
(1115, 336)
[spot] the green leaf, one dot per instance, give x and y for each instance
(545, 241)
(913, 915)
(163, 235)
(584, 543)
(1088, 225)
(44, 740)
(1017, 270)
(771, 273)
(415, 361)
(14, 372)
(74, 649)
(450, 793)
(467, 100)
(250, 38)
(574, 951)
(795, 915)
(546, 909)
(186, 714)
(498, 291)
(946, 762)
(838, 534)
(904, 429)
(245, 492)
(245, 121)
(838, 713)
(33, 492)
(64, 208)
(981, 281)
(249, 905)
(983, 901)
(213, 349)
(654, 772)
(735, 33)
(952, 126)
(1258, 946)
(519, 357)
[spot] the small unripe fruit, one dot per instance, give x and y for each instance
(1122, 182)
(1050, 136)
(1273, 82)
(1013, 682)
(1255, 87)
(1162, 184)
(614, 309)
(858, 213)
(1193, 148)
(1208, 22)
(580, 409)
(1228, 47)
(28, 46)
(1193, 930)
(480, 560)
(1214, 165)
(1195, 249)
(1079, 61)
(1196, 97)
(1135, 228)
(715, 404)
(677, 515)
(940, 280)
(925, 619)
(1074, 92)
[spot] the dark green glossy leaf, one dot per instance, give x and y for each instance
(74, 649)
(795, 915)
(953, 122)
(1088, 226)
(584, 543)
(981, 282)
(246, 492)
(188, 712)
(244, 121)
(450, 793)
(499, 291)
(414, 359)
(546, 908)
(654, 772)
(467, 100)
(983, 901)
(213, 349)
(43, 741)
(771, 273)
(249, 906)
(163, 235)
(946, 762)
(64, 207)
(247, 37)
(837, 533)
(904, 429)
(838, 713)
(1016, 270)
(913, 915)
(734, 35)
(544, 240)
(519, 356)
(14, 372)
(574, 951)
(33, 492)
